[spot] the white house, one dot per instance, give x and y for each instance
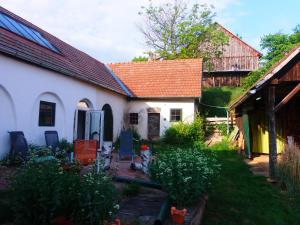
(163, 92)
(46, 84)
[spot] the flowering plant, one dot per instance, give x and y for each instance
(184, 173)
(43, 191)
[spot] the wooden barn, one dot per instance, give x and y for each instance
(237, 60)
(268, 114)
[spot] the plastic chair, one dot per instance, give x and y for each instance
(19, 145)
(85, 151)
(126, 145)
(52, 140)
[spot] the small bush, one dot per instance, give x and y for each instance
(222, 128)
(97, 200)
(185, 133)
(66, 146)
(42, 191)
(36, 194)
(185, 174)
(289, 168)
(224, 145)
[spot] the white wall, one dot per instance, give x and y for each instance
(141, 106)
(22, 86)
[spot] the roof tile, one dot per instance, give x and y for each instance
(160, 79)
(71, 62)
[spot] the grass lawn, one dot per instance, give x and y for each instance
(239, 198)
(218, 96)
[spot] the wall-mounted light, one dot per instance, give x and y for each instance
(258, 98)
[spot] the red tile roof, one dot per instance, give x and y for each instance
(161, 79)
(71, 62)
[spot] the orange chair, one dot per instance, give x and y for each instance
(85, 151)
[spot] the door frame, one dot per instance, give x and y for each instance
(87, 124)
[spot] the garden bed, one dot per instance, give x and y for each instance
(6, 173)
(142, 208)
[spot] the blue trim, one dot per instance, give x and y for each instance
(119, 82)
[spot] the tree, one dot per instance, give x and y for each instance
(276, 46)
(172, 30)
(140, 59)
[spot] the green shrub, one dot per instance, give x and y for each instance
(224, 145)
(6, 212)
(185, 174)
(66, 146)
(97, 200)
(42, 191)
(36, 194)
(185, 133)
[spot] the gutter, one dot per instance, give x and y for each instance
(119, 81)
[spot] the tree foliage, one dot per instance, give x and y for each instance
(173, 30)
(140, 59)
(276, 46)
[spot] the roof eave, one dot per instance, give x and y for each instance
(264, 80)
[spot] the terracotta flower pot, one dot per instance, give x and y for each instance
(178, 216)
(144, 147)
(116, 222)
(61, 220)
(66, 168)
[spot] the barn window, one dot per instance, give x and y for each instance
(47, 114)
(133, 118)
(176, 115)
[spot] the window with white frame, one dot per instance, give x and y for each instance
(175, 115)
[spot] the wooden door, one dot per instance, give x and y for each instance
(153, 125)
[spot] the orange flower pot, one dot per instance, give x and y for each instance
(144, 148)
(178, 216)
(116, 222)
(61, 220)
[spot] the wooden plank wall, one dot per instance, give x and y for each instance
(232, 79)
(236, 56)
(292, 73)
(233, 63)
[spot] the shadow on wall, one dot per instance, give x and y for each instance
(8, 120)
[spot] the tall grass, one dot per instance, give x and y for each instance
(289, 168)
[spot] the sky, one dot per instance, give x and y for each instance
(107, 29)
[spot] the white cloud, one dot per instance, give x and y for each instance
(105, 29)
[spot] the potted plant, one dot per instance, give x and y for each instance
(115, 222)
(61, 220)
(178, 216)
(185, 175)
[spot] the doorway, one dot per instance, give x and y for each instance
(81, 124)
(108, 123)
(88, 123)
(153, 125)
